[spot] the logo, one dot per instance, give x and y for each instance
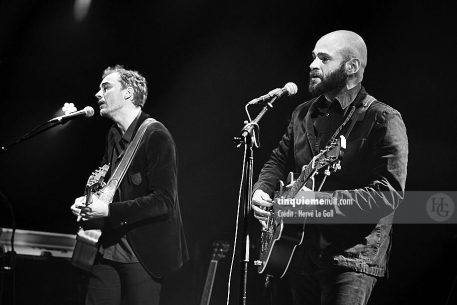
(440, 207)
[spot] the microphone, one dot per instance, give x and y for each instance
(289, 88)
(86, 112)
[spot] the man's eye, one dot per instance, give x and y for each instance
(324, 58)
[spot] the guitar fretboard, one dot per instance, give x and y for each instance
(301, 180)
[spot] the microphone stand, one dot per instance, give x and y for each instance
(35, 131)
(249, 138)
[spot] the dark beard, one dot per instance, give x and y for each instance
(333, 83)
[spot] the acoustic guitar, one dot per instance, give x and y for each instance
(86, 247)
(279, 240)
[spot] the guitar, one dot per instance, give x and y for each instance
(219, 251)
(86, 247)
(278, 240)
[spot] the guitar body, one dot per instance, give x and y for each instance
(86, 249)
(284, 240)
(279, 240)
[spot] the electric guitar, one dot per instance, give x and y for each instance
(279, 240)
(86, 247)
(219, 251)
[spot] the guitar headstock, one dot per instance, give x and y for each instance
(96, 178)
(332, 154)
(220, 249)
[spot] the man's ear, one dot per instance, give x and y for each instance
(128, 93)
(352, 66)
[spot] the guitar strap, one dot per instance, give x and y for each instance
(118, 174)
(355, 115)
(360, 114)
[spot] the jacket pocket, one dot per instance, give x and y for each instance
(135, 178)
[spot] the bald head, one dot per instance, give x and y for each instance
(347, 43)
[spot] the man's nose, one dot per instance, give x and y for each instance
(99, 95)
(314, 64)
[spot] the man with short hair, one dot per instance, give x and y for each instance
(142, 237)
(339, 263)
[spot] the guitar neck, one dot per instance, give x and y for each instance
(206, 295)
(302, 179)
(88, 194)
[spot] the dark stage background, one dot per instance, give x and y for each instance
(204, 60)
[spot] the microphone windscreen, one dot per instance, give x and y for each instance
(89, 111)
(291, 88)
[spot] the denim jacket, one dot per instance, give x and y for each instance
(373, 175)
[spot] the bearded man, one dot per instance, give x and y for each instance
(340, 262)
